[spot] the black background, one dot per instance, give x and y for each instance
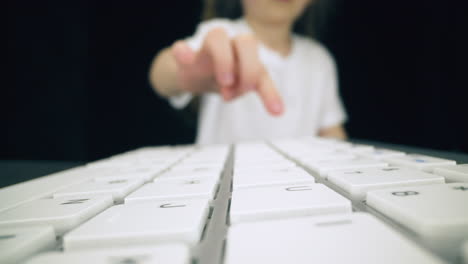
(77, 89)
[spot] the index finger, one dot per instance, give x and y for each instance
(269, 95)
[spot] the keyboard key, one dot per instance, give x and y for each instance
(353, 238)
(323, 157)
(163, 254)
(129, 163)
(453, 173)
(145, 173)
(118, 189)
(360, 181)
(63, 214)
(197, 169)
(419, 162)
(322, 168)
(141, 224)
(198, 164)
(268, 177)
(175, 189)
(380, 154)
(276, 165)
(251, 157)
(39, 188)
(432, 211)
(359, 148)
(18, 244)
(285, 201)
(216, 173)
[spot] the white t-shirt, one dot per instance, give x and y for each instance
(306, 80)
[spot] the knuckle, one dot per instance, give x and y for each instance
(177, 42)
(245, 39)
(252, 73)
(176, 45)
(257, 71)
(216, 33)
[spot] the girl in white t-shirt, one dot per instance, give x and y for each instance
(256, 78)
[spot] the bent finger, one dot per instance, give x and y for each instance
(218, 47)
(249, 67)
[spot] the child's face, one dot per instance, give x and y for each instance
(274, 11)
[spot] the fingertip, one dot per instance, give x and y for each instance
(276, 108)
(270, 96)
(226, 93)
(226, 79)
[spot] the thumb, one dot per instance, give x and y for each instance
(183, 54)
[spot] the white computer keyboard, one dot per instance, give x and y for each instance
(306, 200)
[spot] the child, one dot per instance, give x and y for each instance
(236, 65)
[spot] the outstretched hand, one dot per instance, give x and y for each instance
(230, 66)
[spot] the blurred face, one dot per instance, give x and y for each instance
(274, 11)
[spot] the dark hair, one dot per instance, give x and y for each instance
(310, 23)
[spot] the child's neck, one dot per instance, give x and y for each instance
(275, 36)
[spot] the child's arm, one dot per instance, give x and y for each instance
(226, 65)
(334, 132)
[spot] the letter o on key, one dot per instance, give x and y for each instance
(298, 188)
(405, 193)
(168, 205)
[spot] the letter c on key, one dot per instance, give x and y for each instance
(298, 188)
(168, 205)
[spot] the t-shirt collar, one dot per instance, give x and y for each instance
(243, 27)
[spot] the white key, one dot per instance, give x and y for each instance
(432, 211)
(216, 173)
(323, 168)
(63, 214)
(265, 177)
(39, 188)
(200, 162)
(163, 254)
(252, 159)
(129, 163)
(358, 182)
(420, 162)
(353, 238)
(175, 189)
(145, 173)
(118, 189)
(141, 224)
(125, 176)
(211, 169)
(18, 244)
(285, 201)
(359, 148)
(106, 174)
(380, 154)
(453, 173)
(283, 164)
(250, 156)
(322, 157)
